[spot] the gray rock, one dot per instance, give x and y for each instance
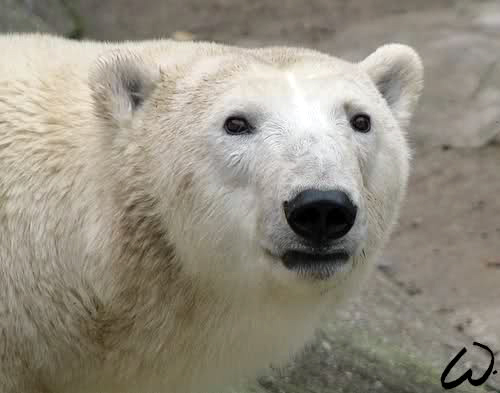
(58, 14)
(46, 16)
(16, 17)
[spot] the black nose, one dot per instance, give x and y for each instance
(320, 216)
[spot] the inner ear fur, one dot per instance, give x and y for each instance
(120, 82)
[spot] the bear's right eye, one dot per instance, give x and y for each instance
(237, 126)
(361, 123)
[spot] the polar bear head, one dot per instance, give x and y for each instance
(279, 168)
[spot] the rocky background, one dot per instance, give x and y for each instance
(437, 289)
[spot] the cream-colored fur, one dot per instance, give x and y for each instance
(139, 243)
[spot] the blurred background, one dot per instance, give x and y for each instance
(437, 288)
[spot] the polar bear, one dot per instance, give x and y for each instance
(175, 217)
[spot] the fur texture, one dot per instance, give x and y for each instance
(140, 243)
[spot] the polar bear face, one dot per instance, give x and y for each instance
(280, 168)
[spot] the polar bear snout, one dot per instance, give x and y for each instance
(320, 216)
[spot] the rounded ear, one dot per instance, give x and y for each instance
(397, 72)
(120, 82)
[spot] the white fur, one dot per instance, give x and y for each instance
(139, 243)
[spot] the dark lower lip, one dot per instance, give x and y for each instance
(315, 265)
(294, 258)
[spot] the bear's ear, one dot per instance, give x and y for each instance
(120, 82)
(397, 71)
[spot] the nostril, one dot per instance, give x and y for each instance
(336, 221)
(307, 218)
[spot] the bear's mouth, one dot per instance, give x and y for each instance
(319, 266)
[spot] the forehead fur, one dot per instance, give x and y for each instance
(262, 62)
(217, 68)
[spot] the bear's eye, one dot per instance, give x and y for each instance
(361, 123)
(237, 125)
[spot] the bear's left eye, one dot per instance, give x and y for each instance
(361, 123)
(237, 125)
